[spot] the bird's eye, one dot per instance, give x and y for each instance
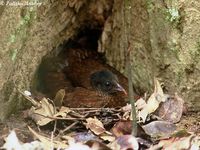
(108, 83)
(108, 86)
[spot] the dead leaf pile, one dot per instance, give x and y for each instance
(108, 128)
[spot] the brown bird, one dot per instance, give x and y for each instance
(82, 63)
(106, 82)
(51, 77)
(105, 92)
(100, 87)
(88, 81)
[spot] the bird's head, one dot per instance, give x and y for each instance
(106, 82)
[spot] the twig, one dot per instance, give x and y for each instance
(96, 109)
(70, 126)
(127, 24)
(130, 96)
(59, 118)
(52, 134)
(84, 108)
(75, 114)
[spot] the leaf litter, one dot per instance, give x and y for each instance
(106, 128)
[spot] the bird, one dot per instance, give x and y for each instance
(87, 79)
(51, 77)
(106, 82)
(82, 63)
(104, 92)
(99, 82)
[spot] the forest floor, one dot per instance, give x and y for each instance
(17, 122)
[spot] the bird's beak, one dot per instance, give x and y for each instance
(120, 88)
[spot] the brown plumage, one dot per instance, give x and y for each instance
(51, 77)
(81, 65)
(84, 75)
(105, 91)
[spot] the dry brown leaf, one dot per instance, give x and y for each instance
(58, 100)
(95, 125)
(126, 108)
(140, 104)
(159, 129)
(63, 112)
(125, 142)
(49, 143)
(42, 111)
(122, 127)
(171, 110)
(82, 136)
(191, 142)
(107, 136)
(41, 114)
(153, 102)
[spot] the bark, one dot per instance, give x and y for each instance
(112, 43)
(164, 41)
(165, 44)
(28, 33)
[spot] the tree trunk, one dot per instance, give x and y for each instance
(164, 42)
(28, 33)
